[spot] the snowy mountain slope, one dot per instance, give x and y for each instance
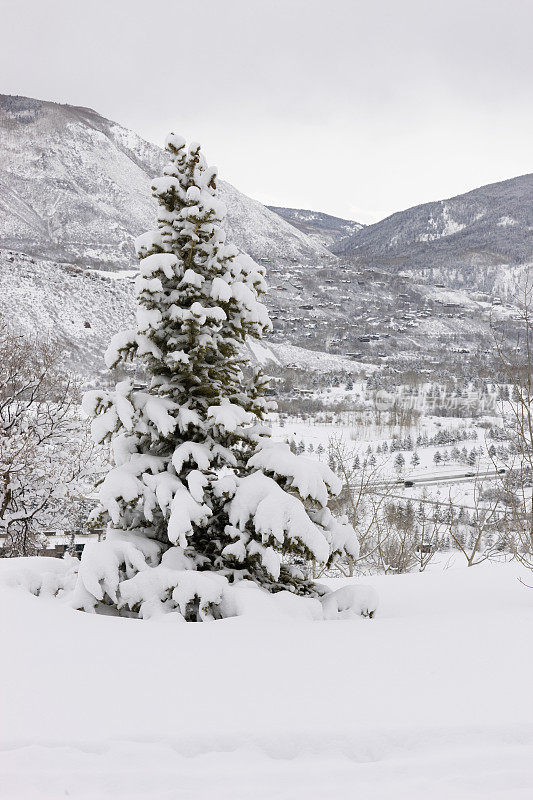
(381, 318)
(80, 309)
(322, 228)
(468, 240)
(75, 190)
(75, 187)
(77, 309)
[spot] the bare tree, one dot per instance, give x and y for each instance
(396, 539)
(362, 497)
(44, 448)
(429, 533)
(480, 537)
(517, 412)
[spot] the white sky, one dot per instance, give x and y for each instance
(356, 108)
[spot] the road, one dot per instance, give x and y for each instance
(429, 480)
(433, 479)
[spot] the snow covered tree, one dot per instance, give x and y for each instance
(46, 458)
(399, 462)
(201, 505)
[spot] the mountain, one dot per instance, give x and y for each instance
(75, 190)
(75, 187)
(325, 318)
(482, 239)
(322, 228)
(79, 309)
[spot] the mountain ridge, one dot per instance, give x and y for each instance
(326, 229)
(74, 196)
(75, 187)
(487, 228)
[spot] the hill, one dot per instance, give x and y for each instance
(482, 239)
(75, 191)
(75, 187)
(322, 228)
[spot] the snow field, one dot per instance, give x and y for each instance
(358, 437)
(429, 699)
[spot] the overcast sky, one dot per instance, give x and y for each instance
(356, 108)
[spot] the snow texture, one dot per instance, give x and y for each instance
(382, 708)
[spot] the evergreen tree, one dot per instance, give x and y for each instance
(200, 498)
(399, 462)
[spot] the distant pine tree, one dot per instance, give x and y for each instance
(399, 462)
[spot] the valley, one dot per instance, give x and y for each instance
(389, 368)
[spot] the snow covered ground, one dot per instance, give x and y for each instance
(362, 436)
(430, 699)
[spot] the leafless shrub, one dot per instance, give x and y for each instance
(44, 447)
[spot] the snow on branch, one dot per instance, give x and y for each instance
(311, 478)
